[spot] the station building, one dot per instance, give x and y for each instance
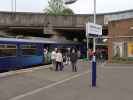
(120, 40)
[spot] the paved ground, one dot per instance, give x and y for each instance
(114, 82)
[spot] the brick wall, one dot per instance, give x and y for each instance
(119, 31)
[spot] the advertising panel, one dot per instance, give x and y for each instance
(130, 49)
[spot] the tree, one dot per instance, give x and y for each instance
(57, 7)
(68, 11)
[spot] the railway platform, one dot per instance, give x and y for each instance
(114, 82)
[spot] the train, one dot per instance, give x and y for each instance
(24, 53)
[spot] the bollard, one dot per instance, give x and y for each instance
(94, 71)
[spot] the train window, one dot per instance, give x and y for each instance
(11, 46)
(28, 49)
(7, 50)
(2, 46)
(28, 46)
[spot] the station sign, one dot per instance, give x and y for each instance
(93, 29)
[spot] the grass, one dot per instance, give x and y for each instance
(123, 60)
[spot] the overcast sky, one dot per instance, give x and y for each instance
(79, 7)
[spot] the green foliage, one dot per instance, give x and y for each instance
(122, 60)
(57, 7)
(68, 11)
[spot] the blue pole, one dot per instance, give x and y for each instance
(94, 50)
(94, 71)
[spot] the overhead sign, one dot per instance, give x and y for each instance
(93, 29)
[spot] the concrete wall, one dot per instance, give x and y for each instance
(40, 19)
(37, 19)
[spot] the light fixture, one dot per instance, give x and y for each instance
(131, 28)
(105, 40)
(69, 1)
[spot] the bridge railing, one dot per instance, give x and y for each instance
(37, 19)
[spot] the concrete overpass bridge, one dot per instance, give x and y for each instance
(39, 23)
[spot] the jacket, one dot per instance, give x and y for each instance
(73, 57)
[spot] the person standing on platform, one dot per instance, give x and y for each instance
(79, 54)
(59, 61)
(53, 57)
(68, 55)
(90, 53)
(73, 59)
(45, 56)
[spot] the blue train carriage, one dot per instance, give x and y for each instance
(18, 53)
(23, 53)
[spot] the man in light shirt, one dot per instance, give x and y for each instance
(53, 57)
(59, 61)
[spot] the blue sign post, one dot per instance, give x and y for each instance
(94, 71)
(95, 30)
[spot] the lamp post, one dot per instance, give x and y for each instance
(94, 11)
(94, 39)
(13, 5)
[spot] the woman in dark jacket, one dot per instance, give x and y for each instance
(73, 59)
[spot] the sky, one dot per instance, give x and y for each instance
(79, 7)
